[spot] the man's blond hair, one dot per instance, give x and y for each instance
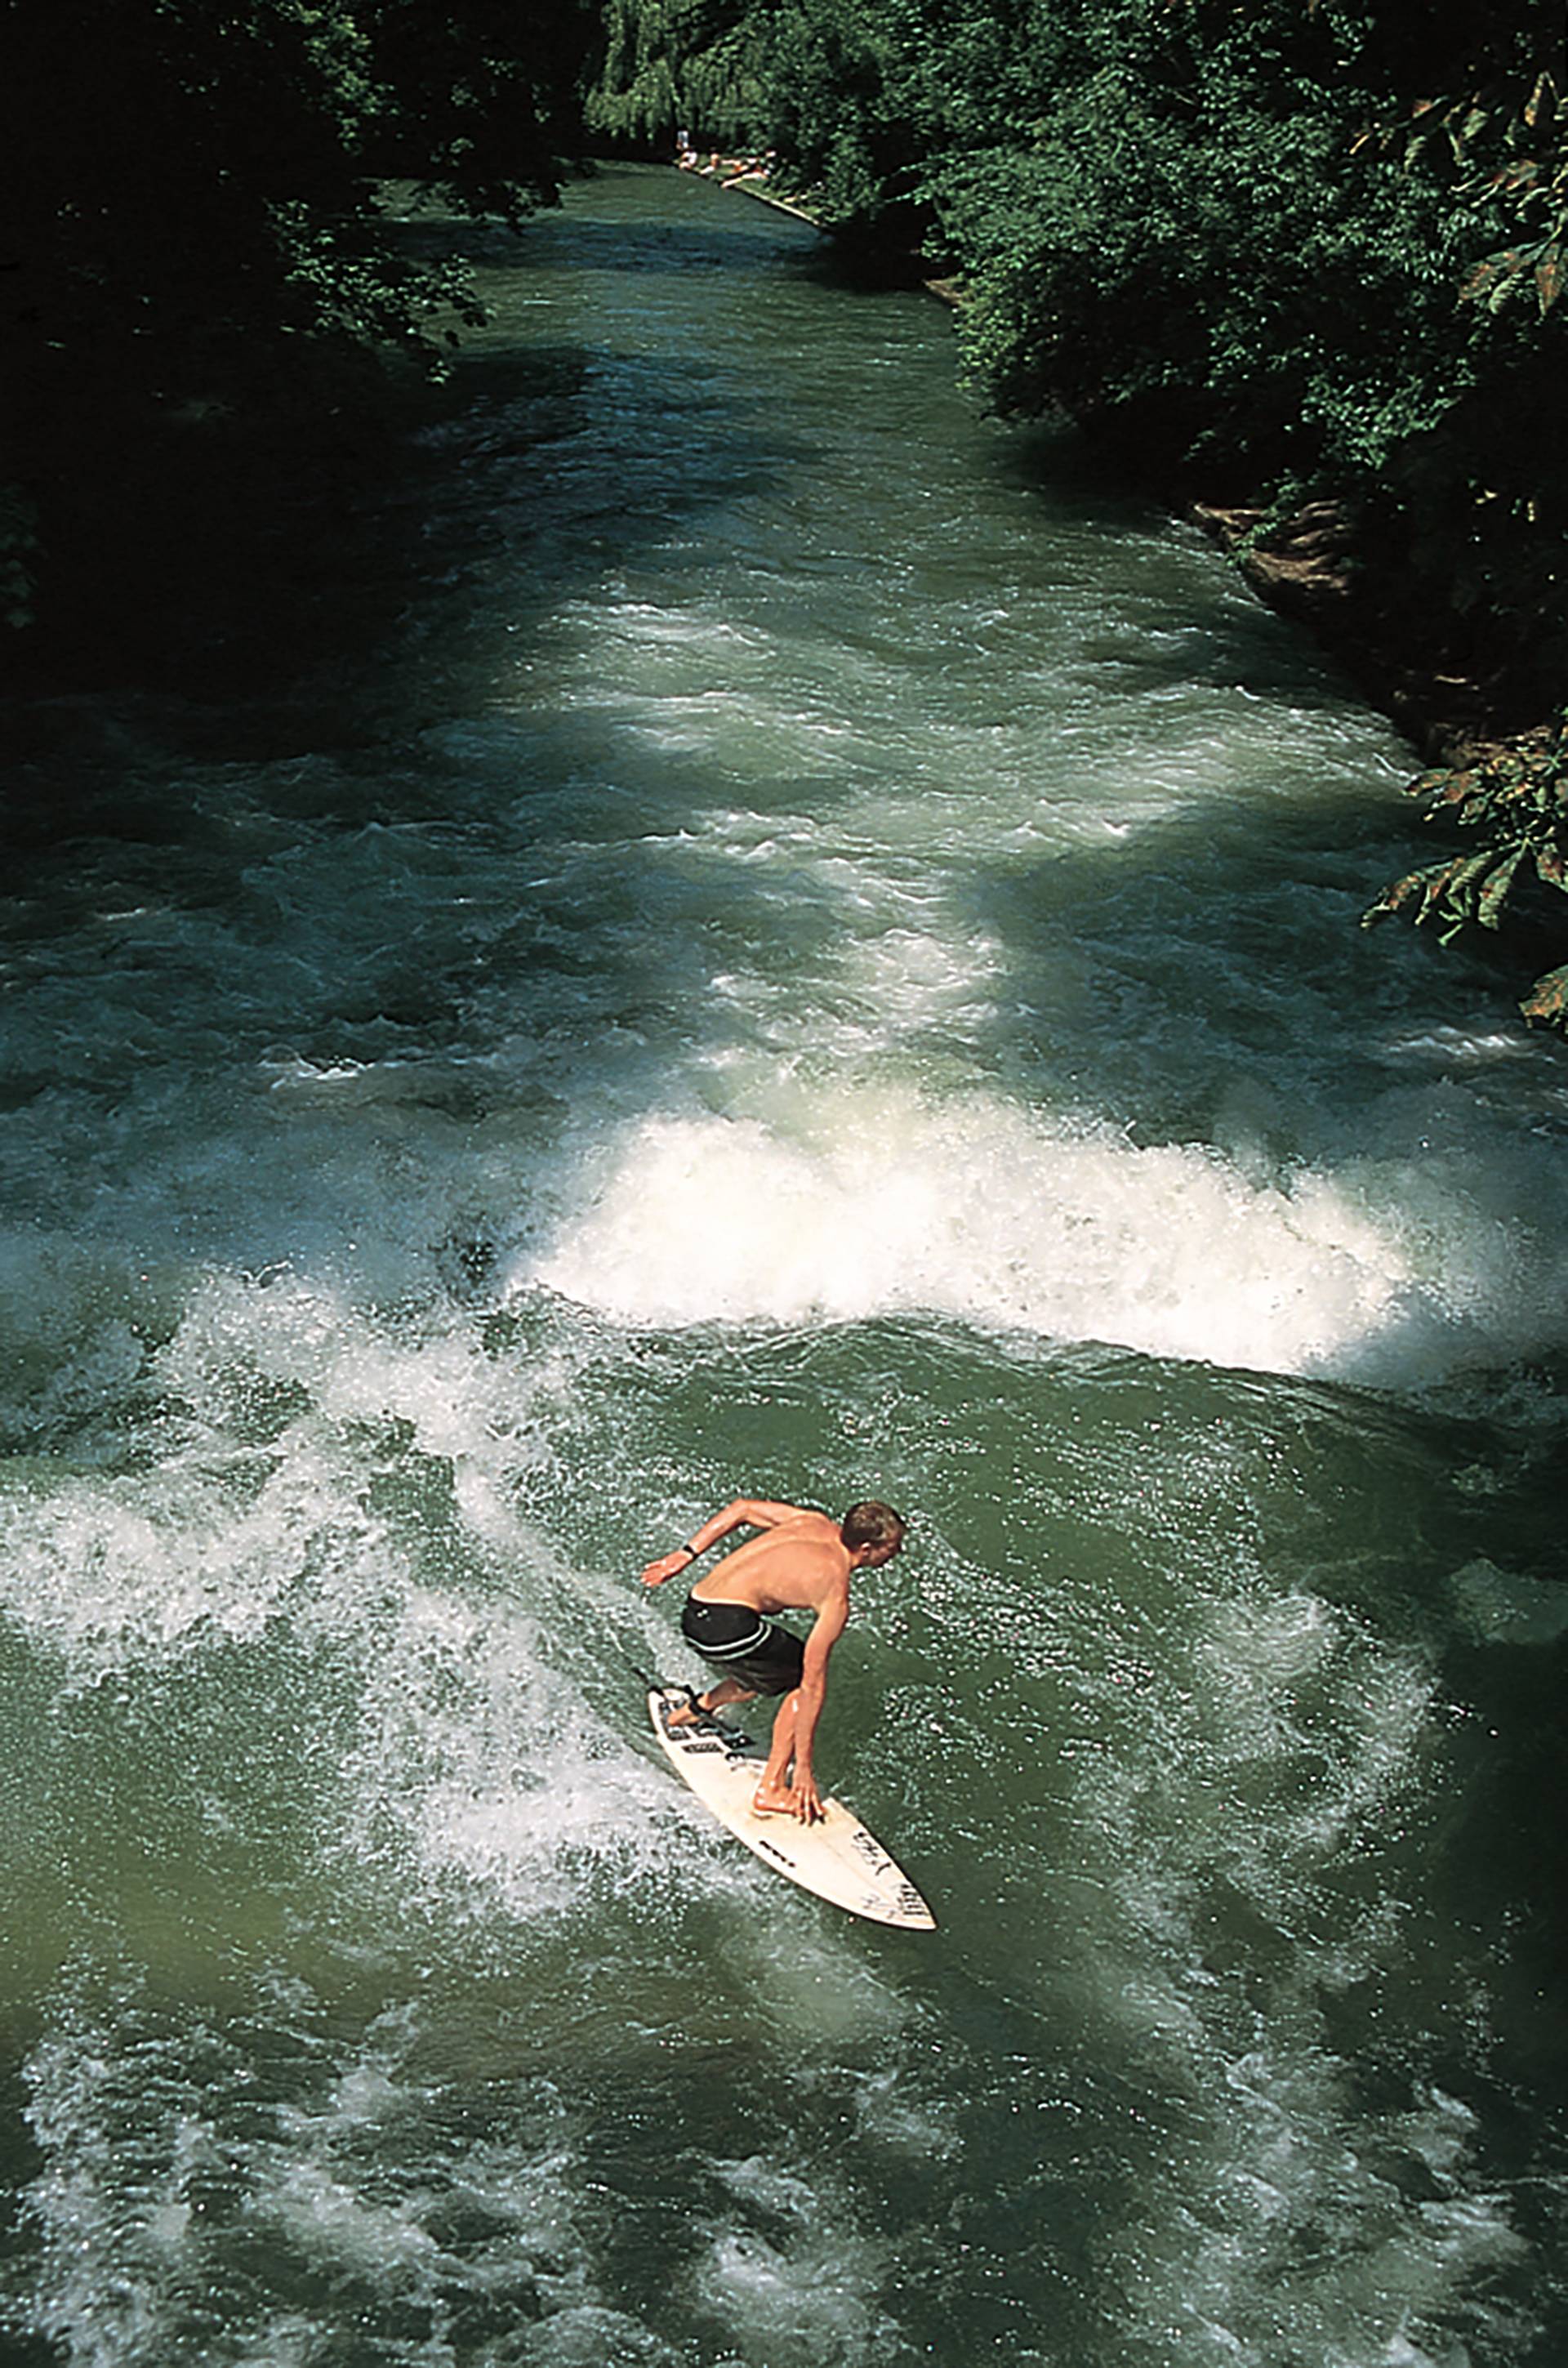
(872, 1524)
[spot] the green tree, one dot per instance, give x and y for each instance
(683, 65)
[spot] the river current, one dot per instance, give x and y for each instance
(798, 942)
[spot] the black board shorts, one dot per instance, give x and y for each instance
(734, 1638)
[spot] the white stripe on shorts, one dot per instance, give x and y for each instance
(736, 1651)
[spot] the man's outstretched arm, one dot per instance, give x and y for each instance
(747, 1512)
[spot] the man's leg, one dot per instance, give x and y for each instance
(718, 1697)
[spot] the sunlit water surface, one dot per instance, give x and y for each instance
(773, 936)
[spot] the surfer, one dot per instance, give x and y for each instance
(801, 1562)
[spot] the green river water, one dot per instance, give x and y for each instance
(796, 943)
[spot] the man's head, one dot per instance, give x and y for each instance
(872, 1532)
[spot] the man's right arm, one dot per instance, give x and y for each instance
(747, 1512)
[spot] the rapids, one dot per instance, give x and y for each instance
(760, 932)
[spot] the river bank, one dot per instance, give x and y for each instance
(1319, 566)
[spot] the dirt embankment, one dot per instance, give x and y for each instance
(1317, 569)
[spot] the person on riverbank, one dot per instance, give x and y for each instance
(802, 1561)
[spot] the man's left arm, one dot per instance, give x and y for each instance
(813, 1690)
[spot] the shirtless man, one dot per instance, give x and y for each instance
(802, 1562)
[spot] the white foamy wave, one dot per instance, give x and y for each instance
(313, 1465)
(1293, 1742)
(802, 2285)
(156, 2136)
(480, 1775)
(870, 1204)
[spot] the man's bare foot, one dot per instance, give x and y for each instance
(775, 1805)
(688, 1711)
(790, 1801)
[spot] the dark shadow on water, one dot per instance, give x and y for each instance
(1212, 958)
(254, 603)
(212, 569)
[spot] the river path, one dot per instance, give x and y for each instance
(753, 930)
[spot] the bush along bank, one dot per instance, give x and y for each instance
(1299, 265)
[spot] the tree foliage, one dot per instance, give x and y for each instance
(683, 65)
(1512, 807)
(176, 166)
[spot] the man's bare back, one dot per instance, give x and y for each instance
(795, 1567)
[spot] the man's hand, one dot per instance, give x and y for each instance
(667, 1565)
(806, 1801)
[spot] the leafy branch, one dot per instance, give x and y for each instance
(1508, 145)
(1516, 800)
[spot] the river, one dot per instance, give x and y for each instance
(772, 936)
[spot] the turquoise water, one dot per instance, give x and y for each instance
(753, 930)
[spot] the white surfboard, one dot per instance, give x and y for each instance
(838, 1859)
